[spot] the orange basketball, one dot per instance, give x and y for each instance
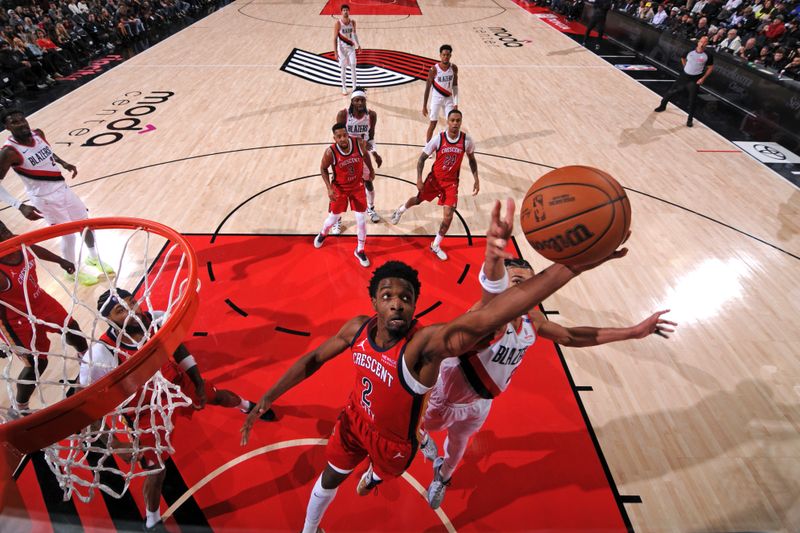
(575, 215)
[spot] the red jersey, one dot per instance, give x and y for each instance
(22, 278)
(348, 168)
(382, 393)
(449, 156)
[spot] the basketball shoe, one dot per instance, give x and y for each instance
(84, 278)
(438, 486)
(367, 482)
(373, 216)
(99, 265)
(318, 240)
(396, 216)
(362, 258)
(438, 252)
(336, 229)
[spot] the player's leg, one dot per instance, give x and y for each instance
(152, 498)
(343, 61)
(76, 340)
(369, 187)
(335, 210)
(447, 219)
(32, 370)
(76, 210)
(353, 74)
(692, 88)
(676, 86)
(430, 190)
(433, 115)
(322, 495)
(358, 203)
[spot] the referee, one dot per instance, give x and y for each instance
(598, 20)
(697, 66)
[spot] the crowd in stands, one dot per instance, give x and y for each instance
(765, 33)
(39, 42)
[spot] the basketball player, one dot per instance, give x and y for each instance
(462, 397)
(443, 77)
(397, 364)
(30, 155)
(348, 157)
(128, 324)
(442, 181)
(361, 124)
(345, 44)
(20, 290)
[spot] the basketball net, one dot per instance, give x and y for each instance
(133, 439)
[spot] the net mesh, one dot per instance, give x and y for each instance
(40, 349)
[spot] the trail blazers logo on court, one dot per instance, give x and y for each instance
(376, 68)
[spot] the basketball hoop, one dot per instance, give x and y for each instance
(84, 419)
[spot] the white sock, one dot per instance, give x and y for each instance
(92, 251)
(68, 243)
(401, 209)
(361, 230)
(245, 405)
(152, 517)
(375, 477)
(438, 240)
(371, 198)
(353, 75)
(317, 504)
(328, 224)
(343, 72)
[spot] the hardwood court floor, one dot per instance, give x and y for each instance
(704, 426)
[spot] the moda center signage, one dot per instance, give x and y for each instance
(127, 114)
(499, 36)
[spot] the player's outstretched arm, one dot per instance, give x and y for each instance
(428, 85)
(493, 275)
(188, 364)
(47, 255)
(303, 368)
(8, 158)
(582, 336)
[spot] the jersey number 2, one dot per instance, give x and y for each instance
(366, 392)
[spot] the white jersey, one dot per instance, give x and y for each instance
(358, 127)
(38, 171)
(443, 82)
(489, 371)
(346, 38)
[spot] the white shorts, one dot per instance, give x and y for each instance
(439, 103)
(61, 205)
(347, 56)
(466, 418)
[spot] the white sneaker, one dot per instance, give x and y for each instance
(336, 229)
(439, 252)
(318, 240)
(345, 92)
(428, 449)
(438, 486)
(396, 216)
(362, 258)
(373, 216)
(367, 482)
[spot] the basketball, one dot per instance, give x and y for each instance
(575, 215)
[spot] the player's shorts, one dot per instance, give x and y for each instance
(447, 193)
(438, 104)
(61, 205)
(20, 331)
(347, 56)
(354, 438)
(466, 418)
(356, 197)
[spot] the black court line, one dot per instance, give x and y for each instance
(361, 17)
(235, 307)
(225, 152)
(610, 478)
(581, 388)
(292, 331)
(552, 313)
(200, 334)
(21, 466)
(124, 512)
(63, 514)
(189, 513)
(463, 274)
(631, 498)
(428, 310)
(210, 270)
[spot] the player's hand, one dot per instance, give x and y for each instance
(378, 159)
(371, 175)
(420, 184)
(617, 254)
(654, 324)
(699, 82)
(200, 390)
(476, 188)
(499, 231)
(424, 111)
(331, 194)
(68, 266)
(30, 212)
(71, 168)
(455, 108)
(261, 407)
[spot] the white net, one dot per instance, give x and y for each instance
(54, 341)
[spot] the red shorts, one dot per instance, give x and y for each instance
(447, 192)
(355, 196)
(354, 439)
(20, 330)
(147, 435)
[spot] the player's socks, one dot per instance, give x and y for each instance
(317, 504)
(361, 231)
(153, 517)
(437, 241)
(428, 448)
(369, 480)
(246, 406)
(398, 213)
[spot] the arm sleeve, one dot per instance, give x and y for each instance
(96, 363)
(469, 146)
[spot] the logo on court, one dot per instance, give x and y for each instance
(496, 36)
(376, 68)
(770, 152)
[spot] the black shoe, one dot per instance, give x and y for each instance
(268, 416)
(689, 122)
(157, 527)
(660, 108)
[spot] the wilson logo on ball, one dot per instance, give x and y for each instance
(571, 238)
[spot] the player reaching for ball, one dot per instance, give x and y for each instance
(397, 364)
